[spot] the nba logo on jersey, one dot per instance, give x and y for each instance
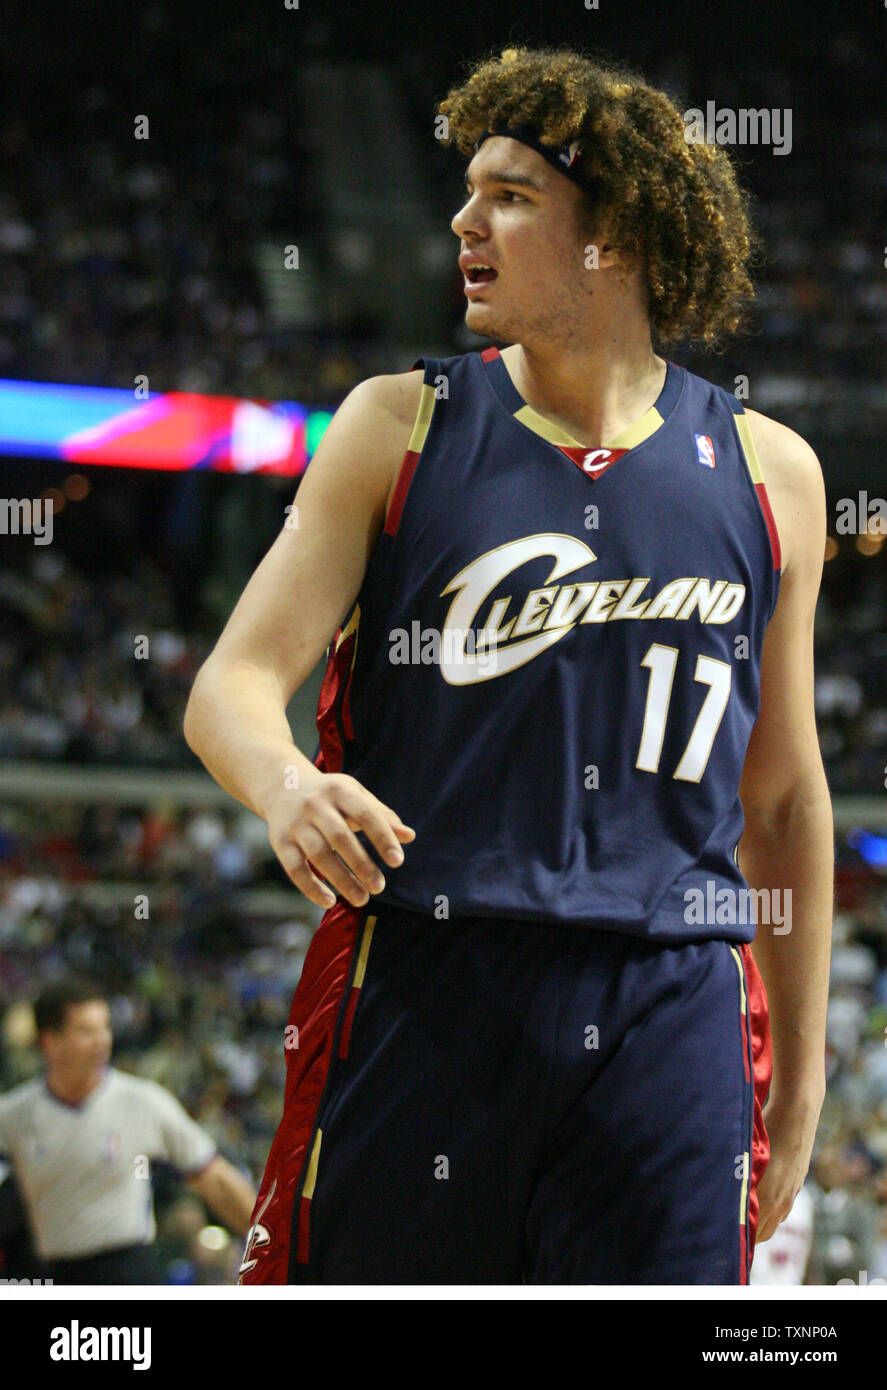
(109, 1150)
(705, 450)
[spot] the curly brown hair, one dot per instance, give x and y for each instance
(677, 206)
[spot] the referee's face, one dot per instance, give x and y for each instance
(83, 1044)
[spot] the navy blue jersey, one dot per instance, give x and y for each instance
(551, 670)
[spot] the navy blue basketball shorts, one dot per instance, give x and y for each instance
(480, 1101)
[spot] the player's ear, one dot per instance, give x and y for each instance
(609, 254)
(599, 250)
(599, 253)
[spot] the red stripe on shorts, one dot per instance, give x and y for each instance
(762, 1069)
(313, 1019)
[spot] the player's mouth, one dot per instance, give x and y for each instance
(478, 274)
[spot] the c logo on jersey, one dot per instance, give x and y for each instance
(590, 462)
(257, 1237)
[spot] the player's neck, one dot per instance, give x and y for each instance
(595, 390)
(74, 1089)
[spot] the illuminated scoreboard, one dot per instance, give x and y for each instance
(166, 430)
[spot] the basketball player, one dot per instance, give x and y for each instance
(572, 587)
(81, 1140)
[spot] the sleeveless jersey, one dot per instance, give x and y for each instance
(551, 670)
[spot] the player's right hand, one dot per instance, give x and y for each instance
(312, 833)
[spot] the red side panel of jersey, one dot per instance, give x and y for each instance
(310, 1040)
(762, 1069)
(334, 704)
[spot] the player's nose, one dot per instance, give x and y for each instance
(468, 219)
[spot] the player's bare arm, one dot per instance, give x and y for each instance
(788, 840)
(236, 721)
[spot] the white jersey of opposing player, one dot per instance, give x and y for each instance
(783, 1258)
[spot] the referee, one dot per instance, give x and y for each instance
(81, 1141)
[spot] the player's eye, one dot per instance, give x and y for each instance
(505, 196)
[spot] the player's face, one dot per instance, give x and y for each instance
(533, 238)
(84, 1043)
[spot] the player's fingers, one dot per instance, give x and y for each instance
(395, 818)
(764, 1232)
(770, 1225)
(382, 826)
(298, 869)
(332, 826)
(774, 1206)
(400, 828)
(314, 845)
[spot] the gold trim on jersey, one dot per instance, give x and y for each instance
(546, 428)
(743, 1191)
(422, 422)
(750, 453)
(636, 434)
(628, 439)
(351, 626)
(311, 1175)
(738, 960)
(366, 942)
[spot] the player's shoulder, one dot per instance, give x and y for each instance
(787, 460)
(400, 393)
(792, 475)
(395, 394)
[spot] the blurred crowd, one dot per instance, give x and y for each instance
(851, 675)
(817, 342)
(78, 679)
(125, 255)
(849, 1168)
(131, 226)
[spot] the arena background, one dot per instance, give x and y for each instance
(165, 258)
